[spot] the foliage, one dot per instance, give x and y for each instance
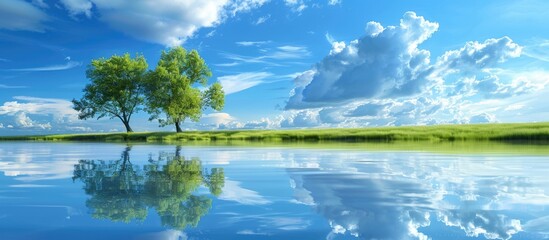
(121, 191)
(170, 88)
(115, 90)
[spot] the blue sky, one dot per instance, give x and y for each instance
(287, 64)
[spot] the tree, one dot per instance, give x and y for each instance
(116, 88)
(170, 88)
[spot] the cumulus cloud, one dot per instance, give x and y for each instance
(491, 86)
(39, 113)
(23, 121)
(385, 78)
(21, 15)
(39, 106)
(216, 119)
(301, 120)
(382, 64)
(475, 55)
(367, 109)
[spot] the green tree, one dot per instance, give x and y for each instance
(116, 88)
(171, 89)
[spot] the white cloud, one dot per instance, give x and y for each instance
(40, 113)
(475, 55)
(287, 52)
(76, 7)
(21, 15)
(262, 19)
(216, 118)
(23, 121)
(68, 65)
(252, 43)
(296, 5)
(388, 64)
(166, 22)
(301, 119)
(239, 82)
(384, 78)
(40, 106)
(264, 123)
(334, 2)
(245, 5)
(80, 129)
(1, 125)
(40, 3)
(272, 56)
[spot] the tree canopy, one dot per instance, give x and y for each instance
(122, 191)
(116, 88)
(171, 89)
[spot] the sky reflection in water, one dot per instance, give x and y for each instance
(114, 191)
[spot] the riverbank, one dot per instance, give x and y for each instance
(529, 132)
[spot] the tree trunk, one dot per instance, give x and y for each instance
(177, 127)
(127, 125)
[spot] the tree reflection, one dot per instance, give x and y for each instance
(121, 191)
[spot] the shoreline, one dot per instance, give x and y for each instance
(494, 132)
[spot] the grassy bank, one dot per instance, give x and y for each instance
(515, 132)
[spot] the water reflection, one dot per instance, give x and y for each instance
(122, 191)
(268, 193)
(422, 199)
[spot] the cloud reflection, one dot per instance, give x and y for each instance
(399, 195)
(232, 191)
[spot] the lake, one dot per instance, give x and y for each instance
(146, 191)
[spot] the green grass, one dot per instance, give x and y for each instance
(513, 132)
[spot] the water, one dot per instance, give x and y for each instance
(114, 191)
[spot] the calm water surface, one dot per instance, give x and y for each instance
(115, 191)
